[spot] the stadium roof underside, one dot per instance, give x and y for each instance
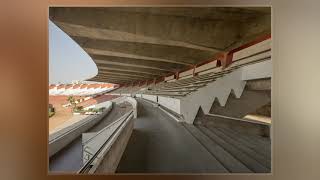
(135, 44)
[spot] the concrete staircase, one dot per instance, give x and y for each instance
(204, 97)
(249, 102)
(237, 152)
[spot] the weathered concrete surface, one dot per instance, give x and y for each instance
(249, 102)
(159, 144)
(234, 125)
(154, 41)
(110, 162)
(259, 84)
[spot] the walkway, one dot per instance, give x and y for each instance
(159, 144)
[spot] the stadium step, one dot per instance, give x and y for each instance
(252, 159)
(259, 144)
(225, 158)
(235, 155)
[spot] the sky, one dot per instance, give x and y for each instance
(67, 60)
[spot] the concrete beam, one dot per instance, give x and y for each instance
(122, 74)
(109, 80)
(130, 64)
(136, 63)
(104, 70)
(132, 70)
(118, 77)
(241, 14)
(102, 62)
(84, 31)
(92, 52)
(164, 53)
(209, 34)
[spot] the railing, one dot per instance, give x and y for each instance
(93, 157)
(57, 135)
(63, 137)
(131, 100)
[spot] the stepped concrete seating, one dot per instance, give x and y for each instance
(186, 95)
(228, 147)
(259, 144)
(206, 92)
(130, 90)
(250, 101)
(198, 78)
(185, 86)
(225, 158)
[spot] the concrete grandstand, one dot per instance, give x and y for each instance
(79, 89)
(193, 94)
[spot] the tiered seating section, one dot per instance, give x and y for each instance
(79, 89)
(207, 73)
(200, 86)
(183, 87)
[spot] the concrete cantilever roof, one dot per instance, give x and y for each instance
(131, 44)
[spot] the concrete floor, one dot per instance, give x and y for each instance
(159, 144)
(69, 159)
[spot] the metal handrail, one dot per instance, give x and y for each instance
(107, 127)
(86, 167)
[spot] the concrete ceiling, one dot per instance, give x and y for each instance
(131, 44)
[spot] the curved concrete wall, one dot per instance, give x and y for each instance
(108, 159)
(111, 160)
(63, 137)
(129, 99)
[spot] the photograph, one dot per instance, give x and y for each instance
(160, 90)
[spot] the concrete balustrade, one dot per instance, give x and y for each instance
(63, 137)
(130, 100)
(103, 150)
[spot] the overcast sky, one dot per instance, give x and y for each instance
(67, 61)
